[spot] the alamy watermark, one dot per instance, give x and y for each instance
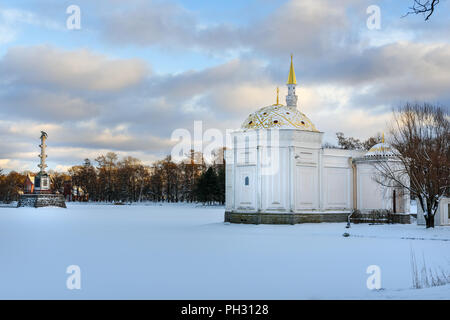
(73, 22)
(73, 282)
(374, 19)
(251, 147)
(374, 280)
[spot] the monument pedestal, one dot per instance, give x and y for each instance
(39, 200)
(42, 196)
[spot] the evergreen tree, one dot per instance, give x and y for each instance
(221, 184)
(207, 186)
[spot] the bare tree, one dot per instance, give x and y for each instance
(351, 143)
(58, 179)
(107, 176)
(11, 185)
(425, 7)
(419, 136)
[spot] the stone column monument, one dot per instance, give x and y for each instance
(42, 196)
(42, 180)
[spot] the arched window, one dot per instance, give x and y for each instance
(246, 181)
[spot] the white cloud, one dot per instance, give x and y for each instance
(92, 103)
(12, 20)
(7, 34)
(77, 69)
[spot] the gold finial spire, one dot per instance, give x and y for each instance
(291, 78)
(382, 138)
(278, 93)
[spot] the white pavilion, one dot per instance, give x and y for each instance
(278, 172)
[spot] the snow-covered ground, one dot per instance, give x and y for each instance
(187, 252)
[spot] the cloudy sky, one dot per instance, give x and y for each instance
(137, 70)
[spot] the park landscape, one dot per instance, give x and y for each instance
(239, 150)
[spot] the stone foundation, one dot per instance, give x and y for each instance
(380, 217)
(295, 218)
(285, 218)
(41, 200)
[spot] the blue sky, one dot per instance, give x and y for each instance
(137, 70)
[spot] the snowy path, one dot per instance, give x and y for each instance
(187, 252)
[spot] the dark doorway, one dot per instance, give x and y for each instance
(394, 207)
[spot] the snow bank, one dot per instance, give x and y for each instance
(186, 252)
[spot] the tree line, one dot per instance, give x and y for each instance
(350, 143)
(110, 179)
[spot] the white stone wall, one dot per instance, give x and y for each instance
(305, 177)
(337, 182)
(372, 196)
(278, 172)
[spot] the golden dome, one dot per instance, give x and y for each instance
(381, 149)
(278, 116)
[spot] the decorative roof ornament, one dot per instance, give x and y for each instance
(381, 150)
(291, 78)
(281, 116)
(291, 98)
(278, 116)
(278, 93)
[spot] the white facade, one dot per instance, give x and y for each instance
(276, 164)
(370, 195)
(294, 174)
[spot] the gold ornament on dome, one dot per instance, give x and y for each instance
(278, 116)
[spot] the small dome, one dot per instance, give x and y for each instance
(278, 116)
(380, 149)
